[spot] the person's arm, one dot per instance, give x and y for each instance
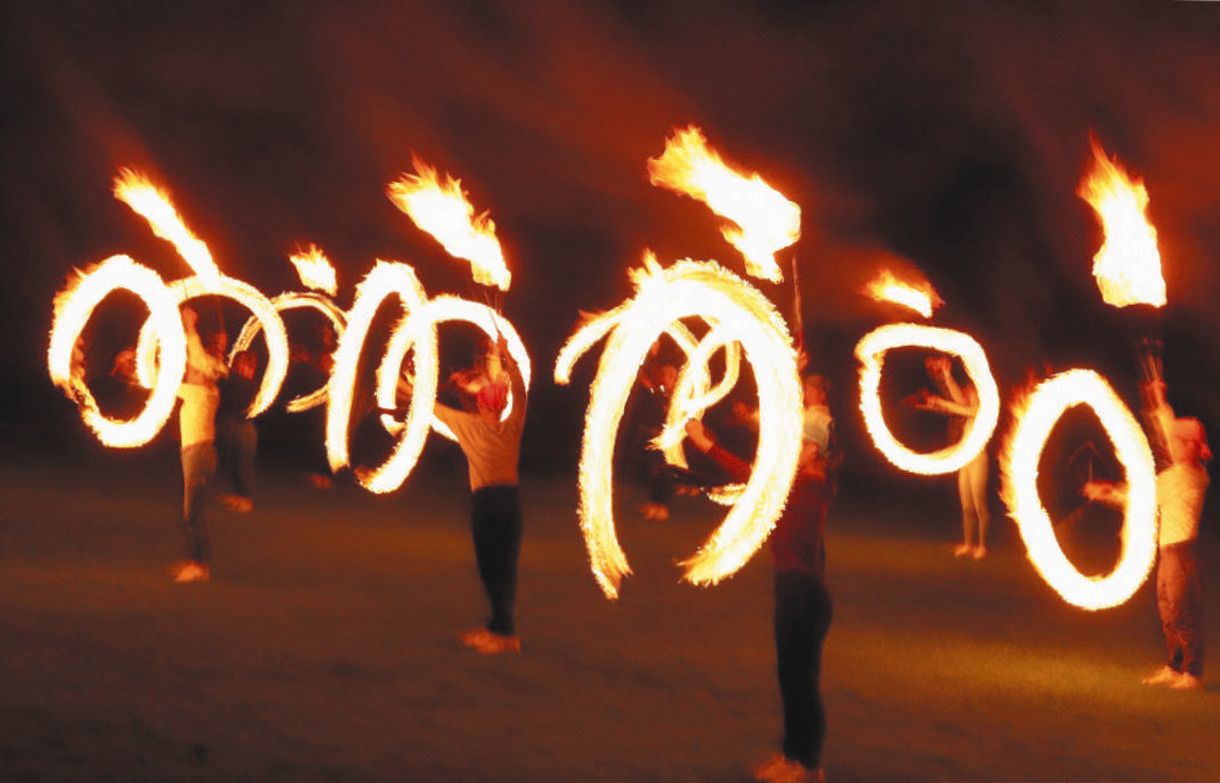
(1108, 492)
(737, 468)
(927, 401)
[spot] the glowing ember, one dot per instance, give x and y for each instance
(441, 209)
(1128, 265)
(887, 288)
(737, 312)
(768, 221)
(135, 190)
(315, 270)
(871, 350)
(1019, 465)
(73, 307)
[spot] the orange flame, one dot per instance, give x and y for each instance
(1128, 265)
(768, 221)
(870, 352)
(921, 298)
(441, 209)
(152, 204)
(1035, 417)
(315, 270)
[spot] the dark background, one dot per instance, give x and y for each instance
(945, 136)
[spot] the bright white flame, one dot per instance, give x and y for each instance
(663, 297)
(260, 308)
(888, 288)
(291, 301)
(1019, 466)
(768, 221)
(444, 309)
(135, 190)
(442, 210)
(315, 270)
(75, 305)
(871, 350)
(1128, 265)
(386, 279)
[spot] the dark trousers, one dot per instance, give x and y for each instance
(495, 522)
(198, 465)
(1179, 599)
(238, 440)
(802, 619)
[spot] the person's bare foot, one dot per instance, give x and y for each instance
(190, 571)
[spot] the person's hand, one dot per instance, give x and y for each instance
(698, 435)
(921, 400)
(743, 411)
(1097, 490)
(124, 364)
(937, 365)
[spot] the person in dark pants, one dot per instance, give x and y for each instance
(803, 606)
(490, 437)
(235, 433)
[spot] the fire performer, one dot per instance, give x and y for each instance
(1180, 489)
(803, 605)
(197, 431)
(961, 404)
(492, 445)
(236, 434)
(657, 379)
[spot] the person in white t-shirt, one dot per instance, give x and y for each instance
(1180, 489)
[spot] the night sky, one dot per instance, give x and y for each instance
(941, 136)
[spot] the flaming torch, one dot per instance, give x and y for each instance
(1128, 265)
(767, 220)
(441, 209)
(920, 297)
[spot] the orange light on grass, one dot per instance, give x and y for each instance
(1128, 265)
(1035, 418)
(442, 210)
(768, 222)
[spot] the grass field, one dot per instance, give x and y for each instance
(325, 646)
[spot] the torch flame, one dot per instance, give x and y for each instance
(888, 288)
(138, 192)
(315, 270)
(1022, 451)
(768, 221)
(1128, 265)
(441, 209)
